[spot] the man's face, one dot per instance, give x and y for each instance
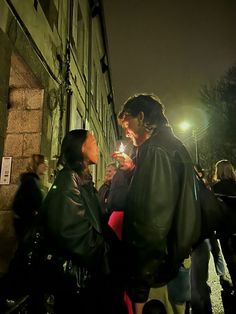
(134, 129)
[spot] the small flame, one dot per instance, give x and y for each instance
(121, 148)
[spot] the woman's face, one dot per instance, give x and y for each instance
(90, 149)
(42, 169)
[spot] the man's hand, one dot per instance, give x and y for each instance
(126, 163)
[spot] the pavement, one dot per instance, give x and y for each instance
(214, 283)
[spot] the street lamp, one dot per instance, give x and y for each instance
(184, 126)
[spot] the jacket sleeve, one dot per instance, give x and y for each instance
(118, 191)
(151, 202)
(69, 222)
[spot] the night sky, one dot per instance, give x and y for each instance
(169, 48)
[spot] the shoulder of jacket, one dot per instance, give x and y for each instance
(167, 141)
(154, 146)
(29, 175)
(68, 177)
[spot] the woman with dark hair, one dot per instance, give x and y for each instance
(72, 216)
(29, 196)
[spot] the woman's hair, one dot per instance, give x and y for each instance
(71, 150)
(150, 105)
(224, 170)
(35, 161)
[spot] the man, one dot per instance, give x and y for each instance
(162, 219)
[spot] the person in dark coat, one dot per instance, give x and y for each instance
(104, 190)
(73, 223)
(225, 186)
(200, 290)
(162, 220)
(29, 195)
(26, 208)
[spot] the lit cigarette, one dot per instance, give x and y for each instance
(121, 148)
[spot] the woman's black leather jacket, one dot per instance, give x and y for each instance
(72, 217)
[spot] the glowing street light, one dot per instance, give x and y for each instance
(184, 126)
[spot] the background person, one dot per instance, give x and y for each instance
(200, 290)
(29, 196)
(225, 185)
(26, 207)
(104, 190)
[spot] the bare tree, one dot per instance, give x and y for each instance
(220, 104)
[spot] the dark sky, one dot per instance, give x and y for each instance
(170, 48)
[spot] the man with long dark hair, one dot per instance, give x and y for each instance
(161, 220)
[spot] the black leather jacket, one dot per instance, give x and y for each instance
(103, 193)
(226, 187)
(162, 217)
(73, 220)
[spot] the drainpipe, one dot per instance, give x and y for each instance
(67, 67)
(100, 11)
(90, 47)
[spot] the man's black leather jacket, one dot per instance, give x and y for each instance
(162, 217)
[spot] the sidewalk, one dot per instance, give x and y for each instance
(214, 283)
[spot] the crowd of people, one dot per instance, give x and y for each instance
(141, 244)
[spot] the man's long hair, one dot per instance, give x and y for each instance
(150, 105)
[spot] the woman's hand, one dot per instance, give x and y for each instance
(126, 163)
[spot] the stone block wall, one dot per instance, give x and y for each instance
(23, 138)
(7, 240)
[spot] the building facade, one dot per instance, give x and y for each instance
(54, 77)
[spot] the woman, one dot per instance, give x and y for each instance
(225, 185)
(224, 178)
(72, 217)
(29, 196)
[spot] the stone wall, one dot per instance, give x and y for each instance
(61, 85)
(7, 240)
(23, 136)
